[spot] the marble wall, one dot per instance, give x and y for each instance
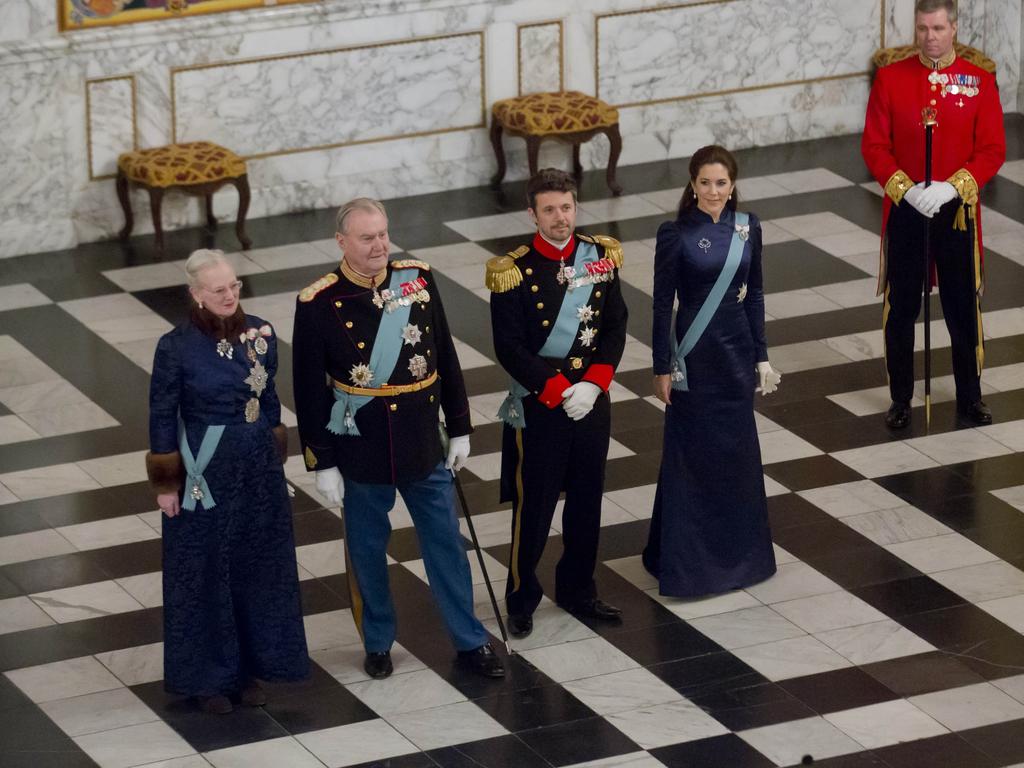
(390, 97)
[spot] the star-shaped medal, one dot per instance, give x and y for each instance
(418, 366)
(257, 378)
(585, 313)
(412, 334)
(587, 336)
(361, 375)
(742, 294)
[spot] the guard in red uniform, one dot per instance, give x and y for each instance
(968, 148)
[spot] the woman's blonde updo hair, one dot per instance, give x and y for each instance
(200, 260)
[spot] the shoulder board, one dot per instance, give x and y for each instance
(503, 273)
(522, 250)
(410, 264)
(612, 247)
(310, 291)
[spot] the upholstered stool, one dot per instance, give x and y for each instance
(885, 56)
(568, 116)
(199, 168)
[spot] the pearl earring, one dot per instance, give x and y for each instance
(200, 305)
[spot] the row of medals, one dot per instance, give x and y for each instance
(257, 378)
(950, 85)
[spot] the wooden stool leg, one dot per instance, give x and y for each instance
(499, 152)
(126, 204)
(615, 139)
(532, 150)
(577, 166)
(211, 221)
(242, 184)
(156, 197)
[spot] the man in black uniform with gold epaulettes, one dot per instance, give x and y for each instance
(373, 362)
(559, 325)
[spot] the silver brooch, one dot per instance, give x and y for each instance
(224, 349)
(261, 346)
(704, 244)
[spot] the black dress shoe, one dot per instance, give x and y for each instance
(594, 608)
(976, 413)
(215, 705)
(519, 624)
(378, 664)
(483, 661)
(898, 416)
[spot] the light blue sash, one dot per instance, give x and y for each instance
(560, 339)
(386, 347)
(196, 488)
(711, 303)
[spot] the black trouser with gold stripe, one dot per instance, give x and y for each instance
(554, 453)
(953, 254)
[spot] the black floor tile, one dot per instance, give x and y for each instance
(8, 588)
(1004, 541)
(128, 559)
(959, 628)
(855, 760)
(529, 708)
(578, 741)
(1004, 742)
(499, 752)
(704, 675)
(927, 487)
(862, 567)
(651, 644)
(838, 689)
(908, 596)
(416, 760)
(20, 518)
(922, 673)
(404, 545)
(946, 751)
(974, 511)
(327, 708)
(811, 472)
(57, 572)
(753, 707)
(798, 264)
(86, 506)
(318, 597)
(788, 510)
(727, 751)
(992, 473)
(317, 526)
(996, 657)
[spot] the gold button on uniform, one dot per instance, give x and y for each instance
(337, 304)
(529, 270)
(546, 323)
(348, 323)
(431, 398)
(935, 87)
(540, 305)
(597, 294)
(393, 406)
(361, 344)
(534, 288)
(427, 329)
(933, 102)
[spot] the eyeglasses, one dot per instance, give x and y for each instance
(220, 293)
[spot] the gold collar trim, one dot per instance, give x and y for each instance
(362, 280)
(944, 62)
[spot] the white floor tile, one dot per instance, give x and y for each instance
(324, 559)
(822, 613)
(891, 526)
(31, 546)
(617, 208)
(795, 657)
(137, 665)
(749, 626)
(345, 664)
(64, 420)
(357, 743)
(1012, 685)
(42, 482)
(34, 397)
(578, 659)
(855, 498)
(851, 240)
(957, 446)
(783, 445)
(146, 588)
(1009, 610)
(787, 743)
(271, 753)
(632, 570)
(622, 691)
(86, 601)
(102, 711)
(970, 706)
(706, 606)
(63, 679)
(637, 501)
(121, 469)
(866, 345)
(21, 371)
(850, 293)
(409, 692)
(107, 533)
(447, 725)
(797, 303)
(14, 430)
(330, 629)
(659, 725)
(492, 528)
(810, 180)
(879, 641)
(804, 356)
(885, 459)
(987, 581)
(1009, 433)
(812, 225)
(791, 582)
(19, 613)
(632, 760)
(880, 725)
(941, 553)
(289, 256)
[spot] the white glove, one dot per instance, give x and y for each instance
(937, 195)
(769, 378)
(578, 400)
(914, 196)
(458, 452)
(330, 485)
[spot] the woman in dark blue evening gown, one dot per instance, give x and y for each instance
(709, 531)
(232, 614)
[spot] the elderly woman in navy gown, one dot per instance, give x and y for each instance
(232, 614)
(709, 531)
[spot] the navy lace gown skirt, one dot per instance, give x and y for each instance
(231, 598)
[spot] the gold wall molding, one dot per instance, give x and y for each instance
(71, 18)
(482, 123)
(561, 50)
(708, 94)
(93, 176)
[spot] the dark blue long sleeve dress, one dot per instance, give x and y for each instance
(709, 531)
(231, 597)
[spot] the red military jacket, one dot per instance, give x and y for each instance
(968, 141)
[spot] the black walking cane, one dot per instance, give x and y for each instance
(928, 115)
(480, 559)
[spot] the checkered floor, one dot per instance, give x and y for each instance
(892, 635)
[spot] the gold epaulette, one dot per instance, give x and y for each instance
(502, 271)
(612, 247)
(410, 264)
(310, 291)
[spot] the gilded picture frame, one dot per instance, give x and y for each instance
(85, 14)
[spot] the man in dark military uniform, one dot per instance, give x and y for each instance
(968, 147)
(559, 325)
(373, 362)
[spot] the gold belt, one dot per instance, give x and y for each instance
(386, 390)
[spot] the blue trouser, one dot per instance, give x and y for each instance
(431, 503)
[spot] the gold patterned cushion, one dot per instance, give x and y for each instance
(198, 162)
(556, 112)
(885, 56)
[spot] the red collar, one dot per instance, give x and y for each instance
(548, 251)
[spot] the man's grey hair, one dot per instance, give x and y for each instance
(202, 259)
(931, 6)
(357, 204)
